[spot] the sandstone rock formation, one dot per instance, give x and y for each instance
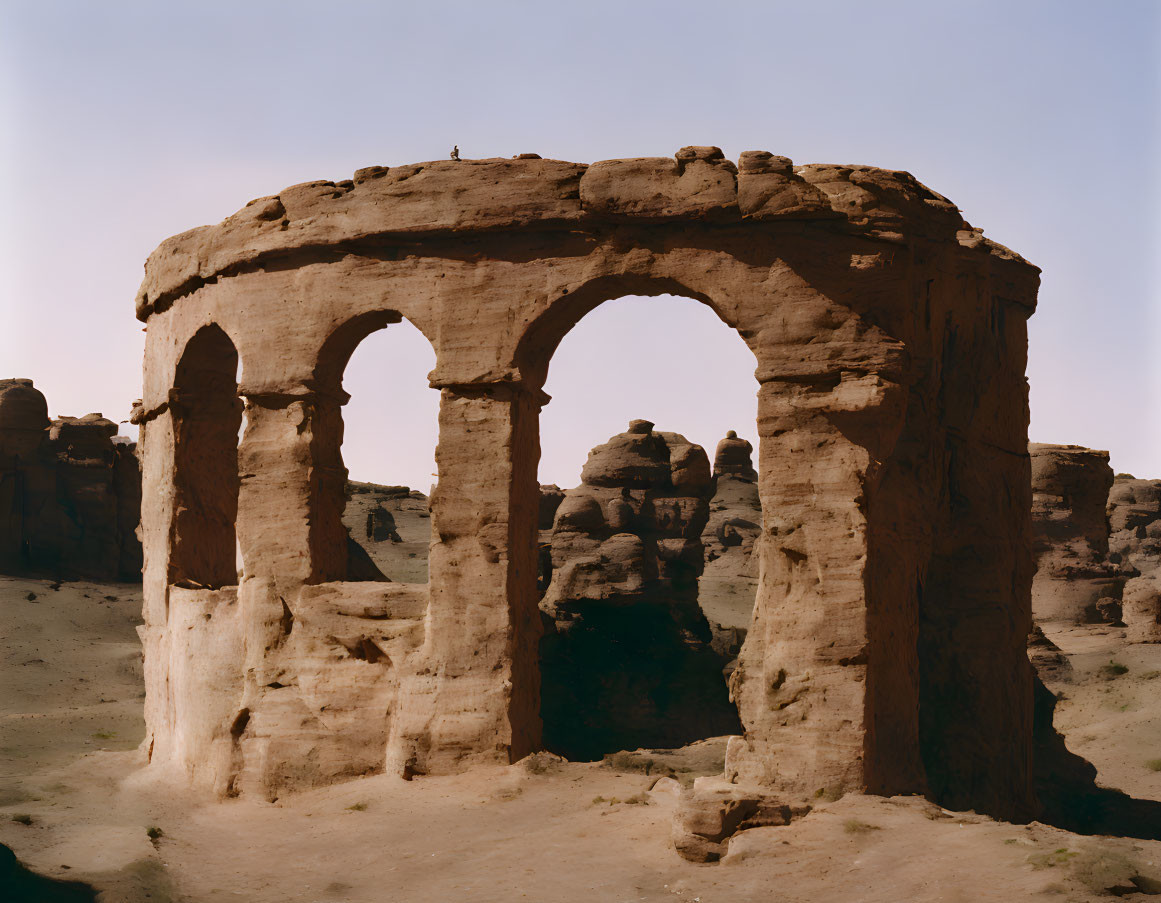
(1098, 543)
(1070, 486)
(1134, 512)
(886, 649)
(390, 531)
(70, 492)
(731, 534)
(626, 660)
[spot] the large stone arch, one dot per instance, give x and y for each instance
(890, 338)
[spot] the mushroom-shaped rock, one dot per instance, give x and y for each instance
(627, 658)
(638, 458)
(732, 457)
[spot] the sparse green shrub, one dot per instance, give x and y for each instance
(104, 735)
(1153, 764)
(154, 833)
(22, 818)
(854, 826)
(1114, 669)
(357, 807)
(1051, 860)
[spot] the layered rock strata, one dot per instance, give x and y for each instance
(626, 659)
(70, 492)
(730, 537)
(1134, 513)
(1070, 488)
(1098, 543)
(886, 648)
(390, 531)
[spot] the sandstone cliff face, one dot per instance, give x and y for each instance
(886, 647)
(1098, 543)
(730, 580)
(70, 492)
(1070, 487)
(626, 660)
(390, 527)
(1134, 513)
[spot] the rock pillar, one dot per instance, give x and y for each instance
(472, 691)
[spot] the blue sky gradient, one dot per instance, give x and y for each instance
(122, 123)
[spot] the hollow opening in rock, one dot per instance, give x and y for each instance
(207, 416)
(648, 566)
(386, 441)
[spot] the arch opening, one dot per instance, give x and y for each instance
(648, 556)
(377, 450)
(207, 418)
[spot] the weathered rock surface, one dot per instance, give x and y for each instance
(626, 660)
(714, 809)
(1098, 543)
(886, 648)
(730, 537)
(70, 492)
(1070, 487)
(391, 525)
(1134, 511)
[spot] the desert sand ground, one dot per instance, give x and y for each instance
(76, 804)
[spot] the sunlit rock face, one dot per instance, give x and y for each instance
(1097, 541)
(626, 660)
(1134, 512)
(1070, 487)
(70, 492)
(893, 564)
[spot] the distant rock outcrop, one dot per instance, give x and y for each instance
(70, 492)
(1134, 516)
(626, 660)
(1070, 487)
(388, 533)
(1097, 541)
(730, 579)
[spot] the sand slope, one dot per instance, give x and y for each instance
(541, 830)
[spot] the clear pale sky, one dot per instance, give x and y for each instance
(122, 123)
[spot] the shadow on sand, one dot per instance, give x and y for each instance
(22, 886)
(1067, 788)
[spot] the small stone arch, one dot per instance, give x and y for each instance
(329, 543)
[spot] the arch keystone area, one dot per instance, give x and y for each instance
(886, 652)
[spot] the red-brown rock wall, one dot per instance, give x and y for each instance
(70, 494)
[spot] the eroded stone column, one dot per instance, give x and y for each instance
(472, 692)
(802, 680)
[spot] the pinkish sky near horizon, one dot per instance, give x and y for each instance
(126, 122)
